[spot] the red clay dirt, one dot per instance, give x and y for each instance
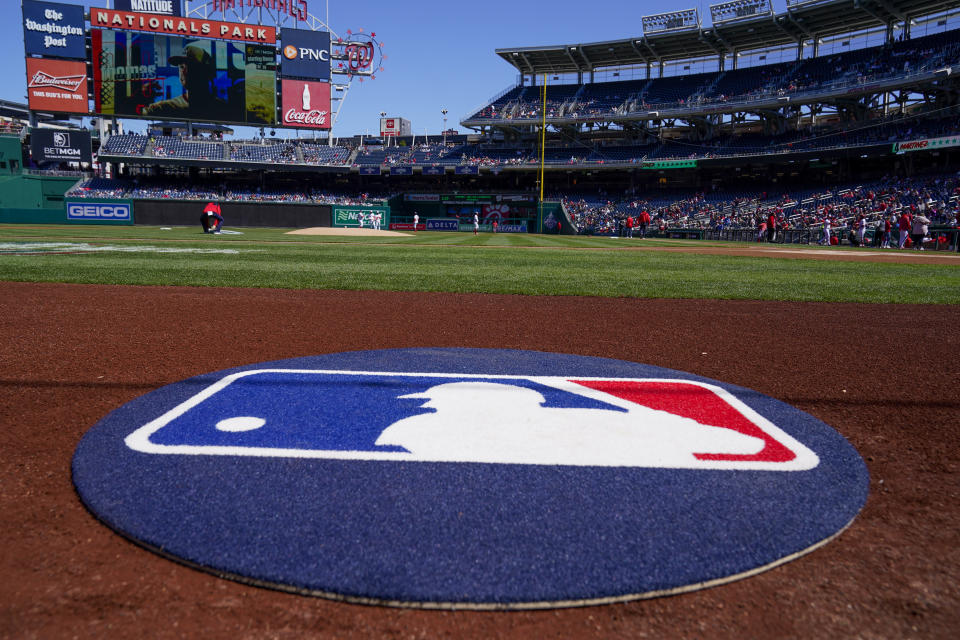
(884, 376)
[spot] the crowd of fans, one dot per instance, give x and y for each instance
(154, 190)
(808, 137)
(843, 211)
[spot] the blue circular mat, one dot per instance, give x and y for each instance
(469, 478)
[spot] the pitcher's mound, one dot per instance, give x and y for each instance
(343, 231)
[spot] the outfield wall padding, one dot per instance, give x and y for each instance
(235, 214)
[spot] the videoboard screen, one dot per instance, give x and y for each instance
(148, 75)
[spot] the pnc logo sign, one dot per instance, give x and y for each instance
(476, 478)
(292, 53)
(306, 54)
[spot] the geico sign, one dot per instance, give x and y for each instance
(99, 211)
(291, 52)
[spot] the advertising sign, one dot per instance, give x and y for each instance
(156, 76)
(162, 7)
(369, 171)
(393, 127)
(928, 144)
(512, 228)
(360, 216)
(443, 224)
(100, 211)
(306, 54)
(192, 27)
(401, 171)
(49, 145)
(57, 85)
(466, 170)
(433, 171)
(293, 8)
(669, 164)
(468, 226)
(306, 105)
(53, 29)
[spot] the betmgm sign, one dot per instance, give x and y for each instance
(48, 145)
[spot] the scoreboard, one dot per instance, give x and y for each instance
(146, 59)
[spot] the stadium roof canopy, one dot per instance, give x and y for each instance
(803, 20)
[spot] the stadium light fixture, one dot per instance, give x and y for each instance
(672, 21)
(740, 10)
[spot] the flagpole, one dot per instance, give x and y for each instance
(543, 143)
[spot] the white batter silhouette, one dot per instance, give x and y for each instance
(502, 423)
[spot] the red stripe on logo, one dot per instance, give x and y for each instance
(697, 403)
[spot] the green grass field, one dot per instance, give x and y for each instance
(453, 262)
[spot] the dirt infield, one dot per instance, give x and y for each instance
(884, 376)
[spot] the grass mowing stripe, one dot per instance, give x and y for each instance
(487, 269)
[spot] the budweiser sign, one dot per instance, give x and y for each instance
(44, 79)
(306, 105)
(57, 85)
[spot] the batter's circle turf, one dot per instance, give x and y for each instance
(470, 478)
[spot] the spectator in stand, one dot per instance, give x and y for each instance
(878, 232)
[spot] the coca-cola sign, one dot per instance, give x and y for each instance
(305, 105)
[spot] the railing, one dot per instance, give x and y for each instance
(58, 173)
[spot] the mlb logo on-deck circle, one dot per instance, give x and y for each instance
(448, 417)
(473, 478)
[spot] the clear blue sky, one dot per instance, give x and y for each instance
(440, 54)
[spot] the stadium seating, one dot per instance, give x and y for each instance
(690, 90)
(129, 144)
(175, 147)
(270, 153)
(321, 154)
